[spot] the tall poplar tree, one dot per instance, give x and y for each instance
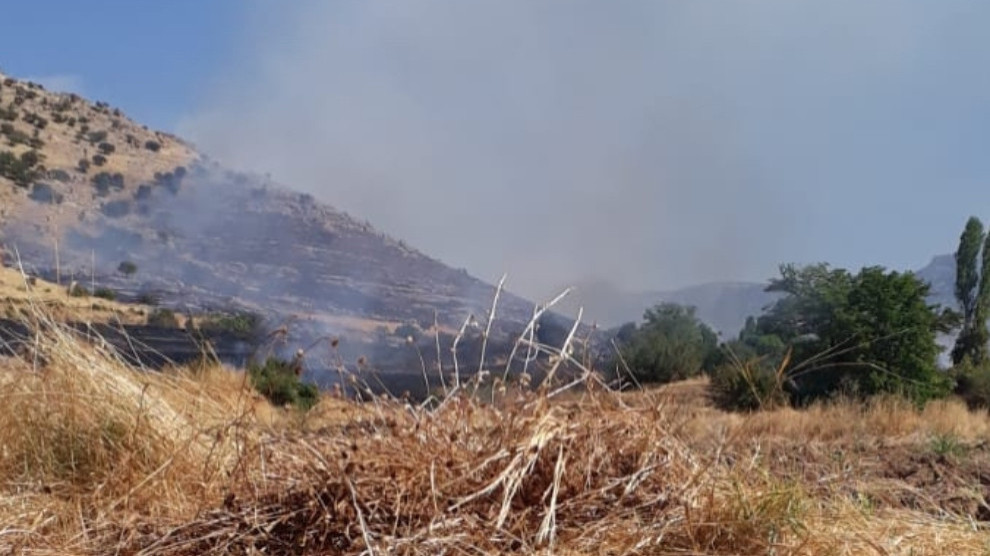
(973, 293)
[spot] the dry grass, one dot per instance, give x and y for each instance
(99, 458)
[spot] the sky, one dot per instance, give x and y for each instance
(651, 144)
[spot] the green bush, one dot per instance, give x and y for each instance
(164, 318)
(972, 383)
(247, 326)
(278, 381)
(45, 193)
(748, 385)
(96, 136)
(59, 175)
(153, 146)
(106, 148)
(8, 114)
(105, 181)
(127, 268)
(105, 293)
(147, 298)
(99, 159)
(116, 209)
(78, 290)
(14, 136)
(21, 170)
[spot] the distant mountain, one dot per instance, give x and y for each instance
(941, 274)
(722, 305)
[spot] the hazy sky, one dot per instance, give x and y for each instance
(651, 143)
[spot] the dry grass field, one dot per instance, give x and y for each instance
(100, 458)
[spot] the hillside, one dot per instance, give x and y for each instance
(85, 189)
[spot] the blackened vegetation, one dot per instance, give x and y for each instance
(144, 345)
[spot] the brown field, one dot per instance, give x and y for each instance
(98, 458)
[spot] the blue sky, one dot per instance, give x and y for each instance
(150, 58)
(649, 143)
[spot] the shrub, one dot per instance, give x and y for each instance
(15, 136)
(99, 159)
(8, 114)
(153, 146)
(163, 318)
(972, 383)
(96, 136)
(247, 326)
(106, 148)
(20, 170)
(127, 268)
(59, 175)
(278, 381)
(147, 298)
(143, 192)
(83, 165)
(408, 330)
(78, 290)
(105, 181)
(105, 293)
(34, 119)
(44, 193)
(749, 385)
(169, 180)
(116, 209)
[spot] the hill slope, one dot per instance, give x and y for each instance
(84, 189)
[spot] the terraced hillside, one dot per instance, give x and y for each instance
(89, 194)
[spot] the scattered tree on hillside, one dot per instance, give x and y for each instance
(127, 268)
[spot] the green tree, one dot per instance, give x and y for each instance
(671, 344)
(893, 328)
(127, 268)
(862, 334)
(973, 294)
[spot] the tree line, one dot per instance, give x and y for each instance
(832, 333)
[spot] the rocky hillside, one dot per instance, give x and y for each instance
(88, 194)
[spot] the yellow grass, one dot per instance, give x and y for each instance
(97, 457)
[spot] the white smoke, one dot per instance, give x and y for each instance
(649, 143)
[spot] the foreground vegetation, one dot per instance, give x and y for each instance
(99, 457)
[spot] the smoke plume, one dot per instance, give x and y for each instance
(651, 144)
